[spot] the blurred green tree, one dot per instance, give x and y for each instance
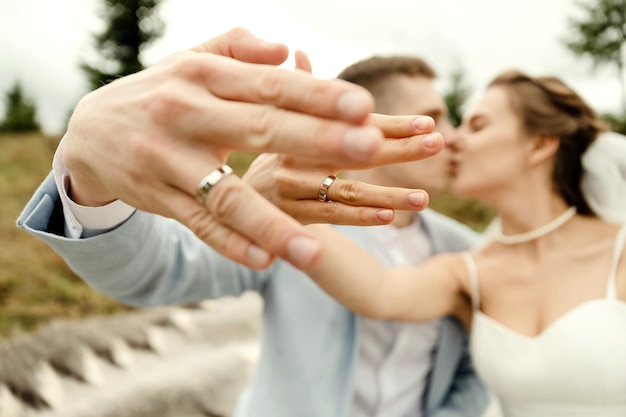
(131, 25)
(601, 35)
(456, 95)
(617, 123)
(21, 113)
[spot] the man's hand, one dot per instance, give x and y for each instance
(149, 138)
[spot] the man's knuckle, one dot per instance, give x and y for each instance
(165, 104)
(285, 182)
(200, 223)
(203, 67)
(225, 199)
(237, 32)
(260, 126)
(270, 85)
(195, 65)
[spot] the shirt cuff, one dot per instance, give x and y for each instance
(83, 221)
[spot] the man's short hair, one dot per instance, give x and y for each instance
(375, 73)
(369, 72)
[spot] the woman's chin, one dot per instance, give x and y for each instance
(457, 188)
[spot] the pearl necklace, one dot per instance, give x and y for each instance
(534, 234)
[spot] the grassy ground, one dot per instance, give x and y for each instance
(35, 284)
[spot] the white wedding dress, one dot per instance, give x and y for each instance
(575, 367)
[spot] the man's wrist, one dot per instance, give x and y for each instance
(86, 221)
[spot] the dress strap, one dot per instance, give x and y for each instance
(473, 279)
(620, 241)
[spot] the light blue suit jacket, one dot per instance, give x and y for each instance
(309, 341)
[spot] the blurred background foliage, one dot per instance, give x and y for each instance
(35, 284)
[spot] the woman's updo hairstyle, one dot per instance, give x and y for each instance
(547, 106)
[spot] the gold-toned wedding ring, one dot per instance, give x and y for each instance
(211, 180)
(322, 194)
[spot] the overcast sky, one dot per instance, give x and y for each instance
(43, 41)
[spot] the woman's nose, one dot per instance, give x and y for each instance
(449, 133)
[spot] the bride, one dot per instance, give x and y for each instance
(545, 298)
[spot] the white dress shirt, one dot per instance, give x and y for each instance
(395, 358)
(81, 221)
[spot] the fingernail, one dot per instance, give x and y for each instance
(257, 257)
(385, 215)
(431, 141)
(354, 104)
(417, 199)
(361, 142)
(302, 251)
(424, 123)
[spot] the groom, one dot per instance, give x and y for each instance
(317, 358)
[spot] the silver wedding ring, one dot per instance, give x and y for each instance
(322, 194)
(211, 180)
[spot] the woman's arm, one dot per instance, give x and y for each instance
(354, 278)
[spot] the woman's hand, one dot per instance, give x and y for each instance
(293, 183)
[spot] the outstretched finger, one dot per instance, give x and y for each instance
(401, 126)
(356, 193)
(350, 192)
(309, 211)
(298, 91)
(392, 151)
(409, 149)
(407, 138)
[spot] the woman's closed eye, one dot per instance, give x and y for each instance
(476, 124)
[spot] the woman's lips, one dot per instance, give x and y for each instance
(454, 166)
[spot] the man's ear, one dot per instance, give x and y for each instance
(542, 148)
